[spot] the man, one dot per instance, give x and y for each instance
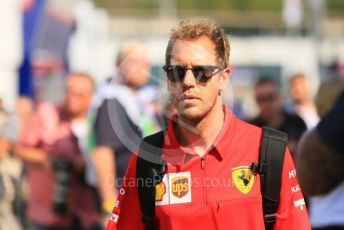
(120, 119)
(57, 138)
(320, 165)
(207, 150)
(303, 105)
(272, 114)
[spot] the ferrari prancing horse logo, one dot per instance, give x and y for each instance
(243, 178)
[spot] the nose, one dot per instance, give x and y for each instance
(189, 79)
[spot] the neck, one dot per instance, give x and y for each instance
(306, 102)
(80, 117)
(67, 116)
(276, 121)
(202, 133)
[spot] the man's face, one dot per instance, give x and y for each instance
(194, 100)
(134, 68)
(268, 100)
(299, 90)
(78, 95)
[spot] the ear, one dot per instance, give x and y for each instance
(225, 77)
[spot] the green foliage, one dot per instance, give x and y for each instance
(230, 4)
(335, 5)
(259, 5)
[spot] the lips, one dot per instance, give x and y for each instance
(188, 97)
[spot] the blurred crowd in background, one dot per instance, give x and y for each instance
(82, 82)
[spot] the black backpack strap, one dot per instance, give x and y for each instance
(150, 170)
(270, 167)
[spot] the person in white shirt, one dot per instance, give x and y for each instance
(303, 105)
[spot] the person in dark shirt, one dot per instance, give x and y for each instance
(118, 119)
(113, 129)
(272, 114)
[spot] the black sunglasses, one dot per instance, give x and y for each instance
(266, 98)
(202, 73)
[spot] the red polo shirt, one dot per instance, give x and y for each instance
(217, 191)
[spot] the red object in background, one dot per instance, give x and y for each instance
(28, 4)
(44, 66)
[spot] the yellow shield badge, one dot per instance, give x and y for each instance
(160, 190)
(243, 178)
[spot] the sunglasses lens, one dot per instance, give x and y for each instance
(180, 72)
(176, 73)
(201, 73)
(266, 98)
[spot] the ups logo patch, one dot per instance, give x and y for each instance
(180, 186)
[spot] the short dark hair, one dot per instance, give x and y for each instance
(264, 80)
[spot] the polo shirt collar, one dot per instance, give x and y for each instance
(174, 153)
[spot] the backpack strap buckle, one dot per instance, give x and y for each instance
(270, 218)
(258, 168)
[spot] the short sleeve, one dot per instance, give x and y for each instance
(292, 212)
(43, 127)
(114, 128)
(331, 127)
(104, 130)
